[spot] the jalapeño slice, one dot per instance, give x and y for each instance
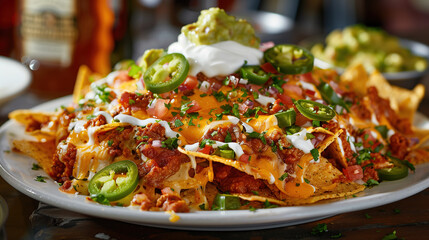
(290, 59)
(166, 73)
(330, 96)
(398, 171)
(115, 181)
(286, 119)
(226, 202)
(314, 110)
(254, 74)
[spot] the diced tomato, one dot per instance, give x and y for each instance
(190, 82)
(353, 173)
(193, 107)
(158, 109)
(254, 87)
(308, 77)
(286, 100)
(300, 119)
(309, 92)
(206, 149)
(269, 68)
(244, 158)
(121, 78)
(292, 91)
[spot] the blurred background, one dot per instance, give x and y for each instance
(54, 37)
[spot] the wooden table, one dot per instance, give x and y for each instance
(28, 219)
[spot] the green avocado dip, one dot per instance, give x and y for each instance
(214, 25)
(371, 47)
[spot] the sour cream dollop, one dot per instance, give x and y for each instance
(219, 59)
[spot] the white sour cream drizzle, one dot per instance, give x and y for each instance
(123, 118)
(340, 143)
(217, 59)
(300, 141)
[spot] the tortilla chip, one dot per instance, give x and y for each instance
(340, 190)
(404, 101)
(251, 198)
(357, 78)
(83, 82)
(418, 156)
(41, 151)
(27, 117)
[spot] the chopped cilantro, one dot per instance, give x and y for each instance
(100, 198)
(170, 143)
(371, 182)
(255, 95)
(252, 208)
(255, 192)
(309, 136)
(167, 105)
(320, 228)
(315, 153)
(89, 117)
(202, 206)
(306, 180)
(110, 142)
(206, 141)
(382, 129)
(220, 96)
(178, 123)
(267, 204)
(36, 166)
(283, 176)
(131, 101)
(40, 179)
(228, 137)
(135, 71)
(390, 236)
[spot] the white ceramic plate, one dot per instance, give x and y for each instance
(16, 170)
(14, 78)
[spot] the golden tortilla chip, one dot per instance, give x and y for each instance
(404, 101)
(28, 117)
(36, 122)
(41, 151)
(251, 198)
(83, 81)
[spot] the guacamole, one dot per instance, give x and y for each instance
(149, 57)
(214, 25)
(373, 48)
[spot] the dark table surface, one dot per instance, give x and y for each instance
(29, 219)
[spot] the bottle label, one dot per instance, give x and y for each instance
(48, 29)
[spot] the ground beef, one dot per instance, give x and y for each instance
(134, 102)
(399, 145)
(162, 163)
(152, 131)
(63, 162)
(221, 132)
(229, 179)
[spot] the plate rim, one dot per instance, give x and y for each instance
(199, 220)
(25, 83)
